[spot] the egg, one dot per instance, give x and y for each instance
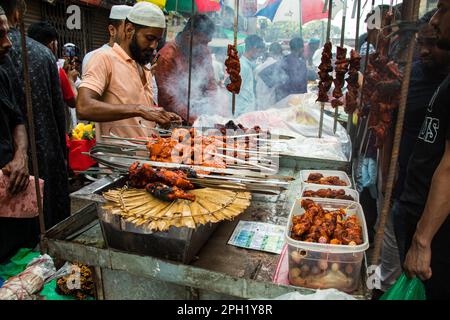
(315, 270)
(348, 269)
(294, 273)
(323, 265)
(296, 257)
(305, 268)
(335, 267)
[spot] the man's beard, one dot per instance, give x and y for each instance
(443, 44)
(138, 55)
(3, 58)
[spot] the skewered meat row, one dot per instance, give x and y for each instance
(139, 177)
(166, 193)
(230, 125)
(318, 178)
(351, 96)
(167, 185)
(341, 67)
(325, 68)
(198, 151)
(383, 82)
(324, 226)
(233, 69)
(184, 146)
(328, 193)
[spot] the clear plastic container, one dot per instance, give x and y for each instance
(326, 173)
(314, 187)
(323, 266)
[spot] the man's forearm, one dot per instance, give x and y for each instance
(437, 207)
(20, 140)
(98, 111)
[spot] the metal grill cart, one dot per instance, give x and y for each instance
(218, 270)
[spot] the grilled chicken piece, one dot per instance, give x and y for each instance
(166, 193)
(177, 179)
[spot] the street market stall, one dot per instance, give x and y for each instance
(262, 222)
(218, 271)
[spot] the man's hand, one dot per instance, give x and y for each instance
(73, 74)
(175, 119)
(158, 115)
(418, 260)
(17, 170)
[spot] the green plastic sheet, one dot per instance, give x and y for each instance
(406, 289)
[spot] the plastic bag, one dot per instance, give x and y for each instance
(28, 283)
(77, 160)
(297, 116)
(327, 294)
(406, 289)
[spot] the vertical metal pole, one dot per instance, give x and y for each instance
(322, 105)
(190, 63)
(336, 110)
(300, 17)
(358, 22)
(362, 89)
(235, 25)
(31, 131)
(412, 15)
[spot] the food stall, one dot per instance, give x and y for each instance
(156, 259)
(145, 242)
(219, 270)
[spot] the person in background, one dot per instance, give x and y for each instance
(172, 69)
(265, 93)
(218, 61)
(49, 115)
(71, 63)
(116, 89)
(425, 197)
(14, 233)
(313, 45)
(294, 66)
(427, 74)
(116, 25)
(46, 34)
(246, 99)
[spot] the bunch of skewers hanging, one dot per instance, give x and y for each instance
(379, 97)
(233, 69)
(342, 66)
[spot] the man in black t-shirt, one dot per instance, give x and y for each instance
(426, 196)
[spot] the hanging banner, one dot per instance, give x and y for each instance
(248, 8)
(208, 5)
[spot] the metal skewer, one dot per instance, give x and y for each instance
(322, 104)
(241, 161)
(344, 14)
(235, 27)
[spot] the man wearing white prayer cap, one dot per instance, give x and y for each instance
(116, 28)
(116, 90)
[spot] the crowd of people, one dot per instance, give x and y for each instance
(137, 81)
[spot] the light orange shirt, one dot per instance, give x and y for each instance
(115, 77)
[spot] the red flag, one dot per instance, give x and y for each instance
(312, 10)
(208, 5)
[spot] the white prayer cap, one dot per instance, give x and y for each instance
(119, 12)
(147, 14)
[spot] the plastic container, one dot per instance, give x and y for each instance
(326, 173)
(323, 266)
(314, 187)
